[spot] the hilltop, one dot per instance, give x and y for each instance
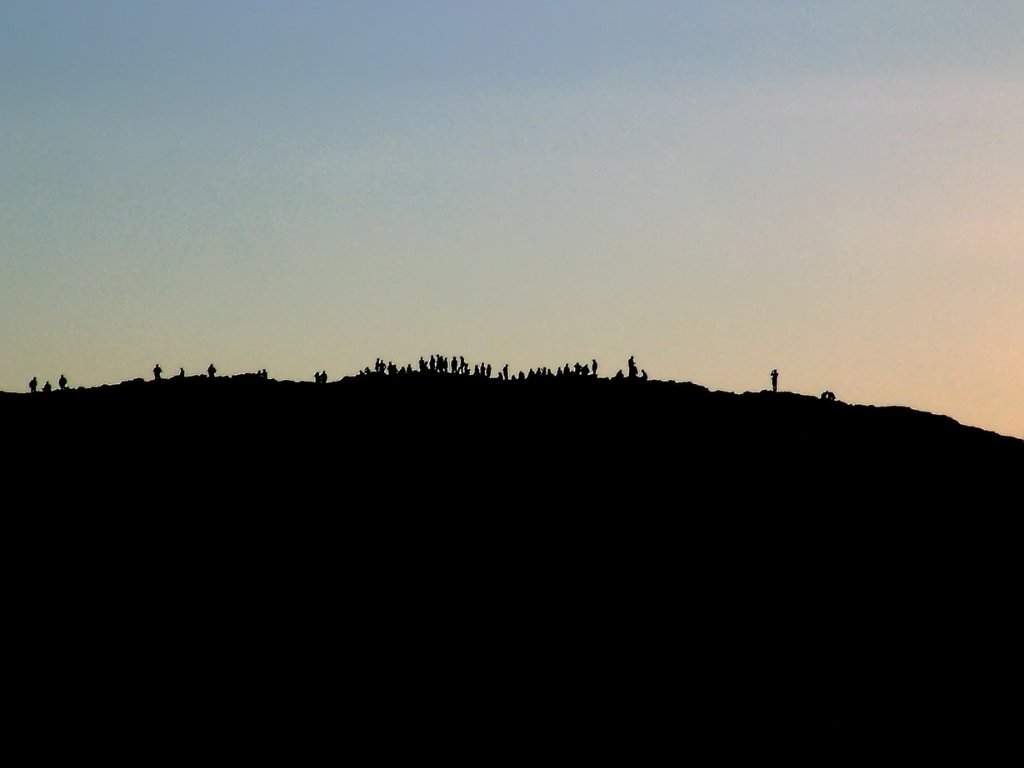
(786, 565)
(410, 420)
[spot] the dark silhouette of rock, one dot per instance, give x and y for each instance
(873, 569)
(715, 424)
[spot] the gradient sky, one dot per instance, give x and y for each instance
(833, 189)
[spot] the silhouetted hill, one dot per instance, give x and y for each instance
(462, 443)
(633, 421)
(598, 556)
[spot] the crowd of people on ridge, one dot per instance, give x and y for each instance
(454, 365)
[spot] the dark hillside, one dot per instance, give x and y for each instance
(607, 438)
(617, 557)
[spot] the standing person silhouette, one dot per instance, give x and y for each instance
(211, 371)
(157, 370)
(775, 380)
(62, 382)
(632, 367)
(33, 384)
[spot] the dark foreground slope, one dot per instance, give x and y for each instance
(470, 443)
(568, 566)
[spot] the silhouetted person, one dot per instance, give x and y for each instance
(632, 367)
(62, 382)
(47, 387)
(211, 371)
(593, 367)
(157, 370)
(775, 380)
(181, 373)
(643, 374)
(619, 374)
(32, 385)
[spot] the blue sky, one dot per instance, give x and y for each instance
(831, 189)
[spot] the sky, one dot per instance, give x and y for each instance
(832, 189)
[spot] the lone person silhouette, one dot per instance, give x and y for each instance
(33, 384)
(632, 367)
(181, 373)
(157, 370)
(211, 371)
(62, 382)
(775, 380)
